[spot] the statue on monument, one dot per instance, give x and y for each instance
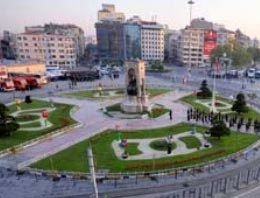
(131, 87)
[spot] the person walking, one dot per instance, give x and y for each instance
(170, 114)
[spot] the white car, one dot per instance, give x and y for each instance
(251, 73)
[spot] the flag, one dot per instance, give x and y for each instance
(217, 65)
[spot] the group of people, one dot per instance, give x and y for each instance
(230, 119)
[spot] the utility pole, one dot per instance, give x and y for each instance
(191, 2)
(92, 170)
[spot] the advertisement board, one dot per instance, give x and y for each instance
(210, 42)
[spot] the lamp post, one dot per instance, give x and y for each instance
(224, 63)
(191, 2)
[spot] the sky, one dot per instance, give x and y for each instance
(16, 14)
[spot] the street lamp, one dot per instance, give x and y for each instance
(191, 2)
(224, 63)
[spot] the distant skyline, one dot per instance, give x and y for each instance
(234, 14)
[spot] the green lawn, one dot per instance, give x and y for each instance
(105, 157)
(91, 93)
(161, 145)
(191, 142)
(190, 99)
(132, 149)
(59, 118)
(157, 91)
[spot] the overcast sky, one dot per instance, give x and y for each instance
(15, 14)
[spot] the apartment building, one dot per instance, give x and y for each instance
(69, 30)
(152, 41)
(52, 49)
(190, 47)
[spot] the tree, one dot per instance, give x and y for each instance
(219, 129)
(255, 53)
(7, 122)
(239, 55)
(204, 90)
(157, 65)
(240, 105)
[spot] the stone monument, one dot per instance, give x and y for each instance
(136, 98)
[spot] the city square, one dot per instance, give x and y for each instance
(133, 99)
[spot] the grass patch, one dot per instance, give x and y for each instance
(156, 92)
(132, 149)
(191, 142)
(59, 118)
(161, 145)
(115, 107)
(157, 112)
(105, 157)
(191, 100)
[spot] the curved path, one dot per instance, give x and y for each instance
(93, 121)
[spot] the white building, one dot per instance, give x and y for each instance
(152, 41)
(57, 50)
(108, 13)
(191, 44)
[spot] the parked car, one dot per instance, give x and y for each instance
(232, 74)
(257, 74)
(251, 73)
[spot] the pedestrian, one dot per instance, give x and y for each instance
(170, 114)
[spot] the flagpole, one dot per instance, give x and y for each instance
(213, 102)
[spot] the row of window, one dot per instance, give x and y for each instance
(44, 51)
(48, 45)
(43, 39)
(61, 62)
(22, 56)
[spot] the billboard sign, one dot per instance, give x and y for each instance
(210, 42)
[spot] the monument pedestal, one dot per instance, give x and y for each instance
(134, 104)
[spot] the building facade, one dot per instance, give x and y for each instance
(52, 49)
(108, 13)
(152, 41)
(118, 41)
(69, 30)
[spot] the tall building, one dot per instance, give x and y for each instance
(118, 41)
(52, 49)
(69, 30)
(190, 47)
(108, 13)
(152, 46)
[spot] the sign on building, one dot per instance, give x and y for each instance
(210, 42)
